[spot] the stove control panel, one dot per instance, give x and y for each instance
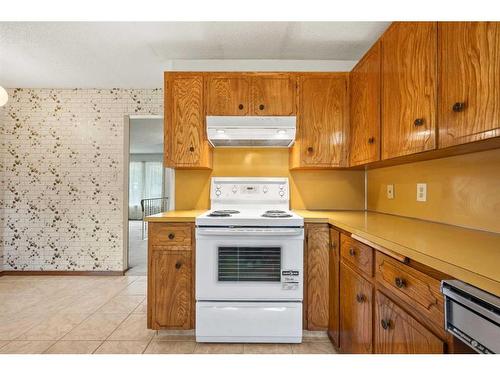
(249, 189)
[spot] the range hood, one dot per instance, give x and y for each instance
(251, 131)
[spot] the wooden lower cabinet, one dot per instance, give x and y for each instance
(356, 309)
(334, 277)
(316, 276)
(396, 332)
(171, 276)
(172, 296)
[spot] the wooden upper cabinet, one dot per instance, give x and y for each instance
(274, 95)
(322, 122)
(185, 143)
(356, 299)
(409, 58)
(228, 95)
(396, 332)
(469, 81)
(317, 253)
(364, 86)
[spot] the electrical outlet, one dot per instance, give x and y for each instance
(421, 192)
(390, 191)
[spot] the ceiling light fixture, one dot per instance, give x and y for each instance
(4, 97)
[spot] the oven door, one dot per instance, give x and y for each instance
(249, 264)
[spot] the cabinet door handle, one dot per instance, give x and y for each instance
(261, 107)
(385, 323)
(191, 149)
(309, 149)
(178, 265)
(240, 106)
(418, 122)
(458, 107)
(371, 140)
(360, 298)
(400, 283)
(352, 252)
(171, 236)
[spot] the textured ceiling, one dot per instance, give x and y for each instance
(134, 55)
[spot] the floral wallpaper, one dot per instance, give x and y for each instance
(61, 176)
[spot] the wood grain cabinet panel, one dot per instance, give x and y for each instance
(322, 122)
(356, 254)
(317, 253)
(364, 87)
(409, 59)
(396, 332)
(274, 95)
(172, 299)
(186, 144)
(356, 312)
(469, 81)
(334, 277)
(414, 287)
(228, 95)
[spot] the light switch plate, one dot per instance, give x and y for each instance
(421, 192)
(390, 191)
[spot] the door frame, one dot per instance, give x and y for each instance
(168, 183)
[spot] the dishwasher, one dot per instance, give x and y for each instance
(472, 315)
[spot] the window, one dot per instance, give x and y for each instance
(145, 181)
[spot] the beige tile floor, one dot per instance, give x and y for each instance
(103, 315)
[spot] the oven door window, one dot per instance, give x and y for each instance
(256, 264)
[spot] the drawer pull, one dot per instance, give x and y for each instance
(178, 265)
(240, 106)
(352, 252)
(400, 283)
(385, 323)
(171, 236)
(261, 107)
(360, 298)
(191, 149)
(419, 122)
(458, 107)
(310, 149)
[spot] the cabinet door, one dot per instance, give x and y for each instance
(397, 332)
(274, 95)
(318, 242)
(355, 312)
(334, 274)
(171, 281)
(469, 81)
(185, 143)
(228, 95)
(322, 121)
(409, 57)
(364, 86)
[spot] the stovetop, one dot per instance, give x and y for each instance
(245, 216)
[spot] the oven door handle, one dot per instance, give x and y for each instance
(249, 232)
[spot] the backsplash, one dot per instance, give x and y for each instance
(461, 190)
(61, 176)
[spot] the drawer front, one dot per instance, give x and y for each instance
(357, 254)
(412, 286)
(167, 234)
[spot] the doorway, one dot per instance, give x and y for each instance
(148, 186)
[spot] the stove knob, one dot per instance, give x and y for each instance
(218, 187)
(217, 192)
(282, 193)
(235, 189)
(265, 189)
(282, 187)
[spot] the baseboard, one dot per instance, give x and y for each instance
(62, 273)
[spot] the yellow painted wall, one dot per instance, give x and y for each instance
(333, 189)
(461, 190)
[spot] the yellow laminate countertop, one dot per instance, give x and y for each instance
(185, 216)
(469, 255)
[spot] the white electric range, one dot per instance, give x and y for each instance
(249, 263)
